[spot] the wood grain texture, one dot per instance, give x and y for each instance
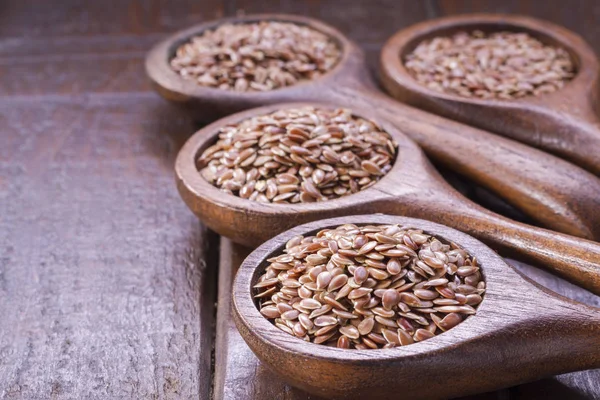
(105, 281)
(42, 19)
(102, 279)
(577, 385)
(103, 270)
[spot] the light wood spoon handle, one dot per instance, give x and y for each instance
(573, 134)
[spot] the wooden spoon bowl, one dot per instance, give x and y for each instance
(511, 339)
(412, 188)
(564, 122)
(540, 185)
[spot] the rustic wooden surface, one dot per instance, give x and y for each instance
(106, 284)
(106, 279)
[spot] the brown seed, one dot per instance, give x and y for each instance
(326, 330)
(474, 299)
(343, 342)
(305, 321)
(425, 294)
(410, 299)
(325, 320)
(389, 299)
(337, 282)
(393, 267)
(320, 311)
(366, 325)
(266, 283)
(314, 289)
(369, 343)
(404, 337)
(385, 321)
(323, 279)
(377, 338)
(344, 291)
(350, 331)
(323, 338)
(334, 303)
(391, 336)
(422, 334)
(310, 304)
(500, 65)
(357, 293)
(290, 315)
(344, 314)
(270, 312)
(367, 247)
(449, 321)
(360, 275)
(378, 274)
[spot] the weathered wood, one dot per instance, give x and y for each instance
(42, 19)
(503, 341)
(105, 281)
(537, 183)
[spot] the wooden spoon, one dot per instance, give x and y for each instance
(553, 192)
(412, 187)
(521, 332)
(564, 122)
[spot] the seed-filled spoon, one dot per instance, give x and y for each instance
(520, 332)
(556, 193)
(412, 187)
(564, 122)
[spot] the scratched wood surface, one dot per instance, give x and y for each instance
(107, 282)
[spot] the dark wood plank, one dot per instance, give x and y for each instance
(82, 47)
(44, 19)
(105, 281)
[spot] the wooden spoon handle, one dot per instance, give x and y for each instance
(542, 186)
(575, 259)
(573, 134)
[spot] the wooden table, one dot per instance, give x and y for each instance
(109, 287)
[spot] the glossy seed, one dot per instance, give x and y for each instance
(321, 289)
(422, 334)
(350, 331)
(337, 282)
(270, 312)
(325, 320)
(389, 299)
(323, 279)
(366, 325)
